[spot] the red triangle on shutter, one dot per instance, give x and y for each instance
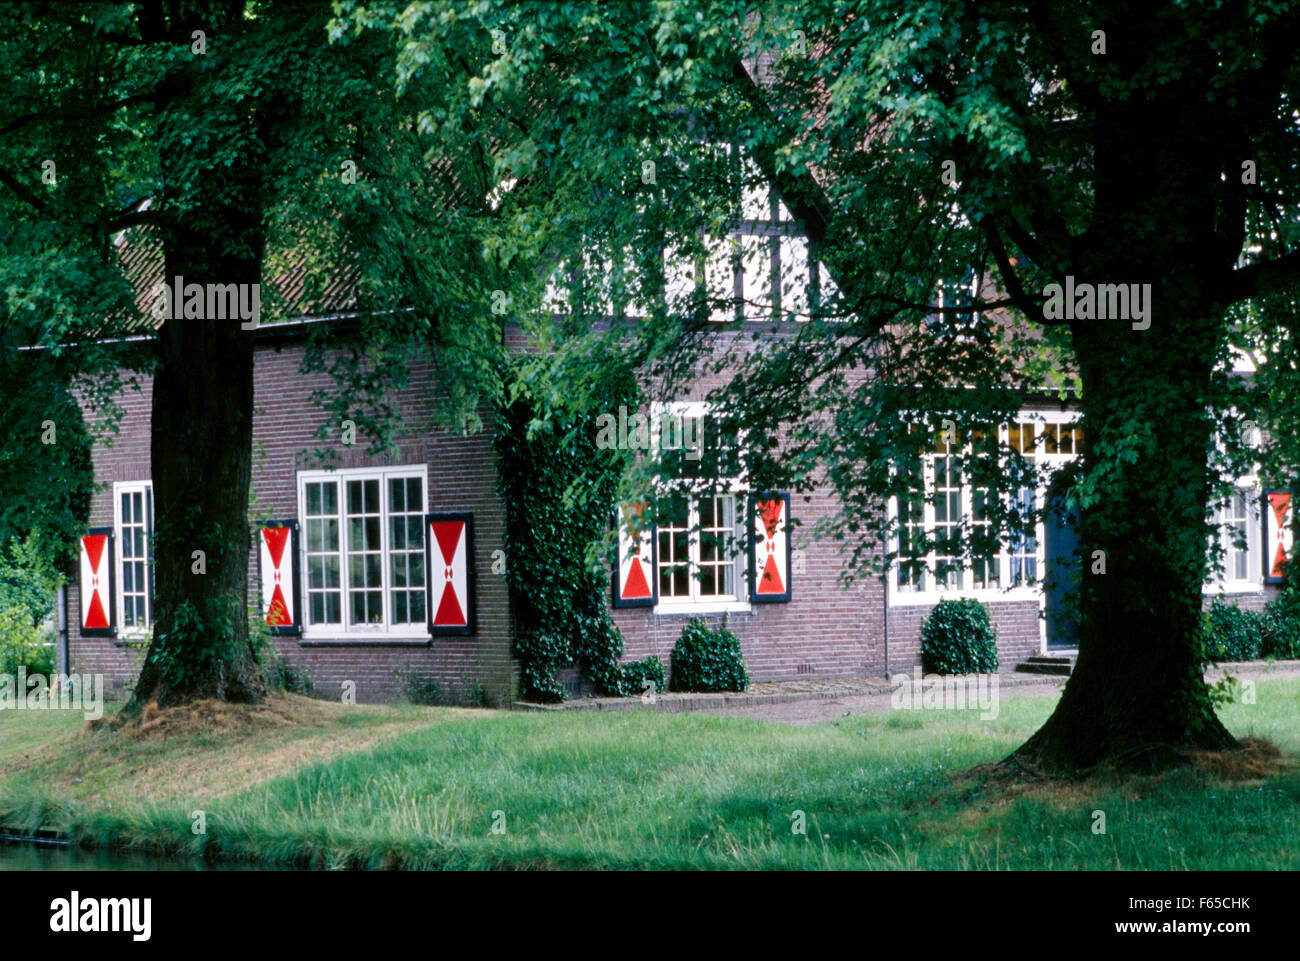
(448, 535)
(771, 515)
(278, 615)
(1280, 504)
(636, 585)
(1279, 561)
(96, 618)
(94, 544)
(771, 582)
(276, 538)
(449, 612)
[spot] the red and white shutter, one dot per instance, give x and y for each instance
(1277, 535)
(771, 550)
(635, 584)
(96, 583)
(450, 547)
(277, 544)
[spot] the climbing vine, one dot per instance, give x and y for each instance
(560, 491)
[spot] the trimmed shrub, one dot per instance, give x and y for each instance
(541, 654)
(705, 661)
(637, 673)
(957, 637)
(1232, 634)
(1282, 626)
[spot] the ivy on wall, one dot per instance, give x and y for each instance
(560, 491)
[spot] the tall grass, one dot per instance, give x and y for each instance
(646, 790)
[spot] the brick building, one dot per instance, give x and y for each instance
(381, 566)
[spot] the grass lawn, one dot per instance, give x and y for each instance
(309, 782)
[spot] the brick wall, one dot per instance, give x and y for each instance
(461, 473)
(825, 631)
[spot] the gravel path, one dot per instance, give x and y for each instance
(1016, 685)
(814, 712)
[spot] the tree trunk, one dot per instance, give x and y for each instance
(1137, 697)
(201, 444)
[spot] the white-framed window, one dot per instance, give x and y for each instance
(944, 501)
(363, 548)
(1238, 529)
(133, 527)
(757, 265)
(701, 566)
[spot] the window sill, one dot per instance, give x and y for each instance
(339, 638)
(671, 608)
(899, 598)
(1232, 587)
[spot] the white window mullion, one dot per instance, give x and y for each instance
(693, 548)
(927, 512)
(385, 558)
(966, 577)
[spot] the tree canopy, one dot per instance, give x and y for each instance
(950, 164)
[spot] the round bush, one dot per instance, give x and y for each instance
(637, 673)
(1232, 634)
(706, 661)
(958, 638)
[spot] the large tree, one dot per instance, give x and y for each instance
(949, 162)
(236, 140)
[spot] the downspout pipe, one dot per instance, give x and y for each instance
(61, 608)
(884, 581)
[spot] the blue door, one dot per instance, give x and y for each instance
(1064, 570)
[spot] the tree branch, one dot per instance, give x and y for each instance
(85, 114)
(132, 218)
(22, 191)
(1254, 279)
